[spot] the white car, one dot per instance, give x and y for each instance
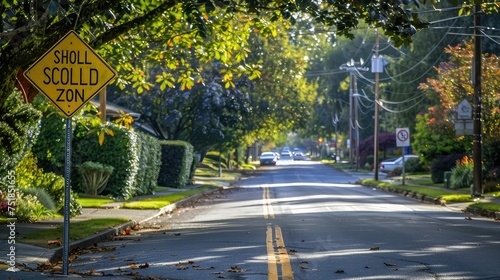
(388, 166)
(268, 158)
(299, 156)
(286, 155)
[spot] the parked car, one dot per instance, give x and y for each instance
(268, 158)
(276, 153)
(299, 156)
(295, 150)
(389, 165)
(286, 155)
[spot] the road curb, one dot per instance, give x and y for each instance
(53, 255)
(468, 210)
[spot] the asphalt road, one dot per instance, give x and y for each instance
(303, 220)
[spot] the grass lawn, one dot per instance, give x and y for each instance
(77, 231)
(487, 206)
(443, 193)
(161, 201)
(93, 202)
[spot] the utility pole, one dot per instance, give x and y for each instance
(376, 117)
(335, 122)
(477, 189)
(351, 68)
(351, 142)
(356, 120)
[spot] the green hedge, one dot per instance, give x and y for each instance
(134, 155)
(50, 144)
(176, 162)
(194, 165)
(120, 151)
(149, 164)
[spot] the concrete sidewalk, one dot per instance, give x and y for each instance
(30, 257)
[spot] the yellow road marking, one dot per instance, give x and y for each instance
(267, 206)
(284, 259)
(279, 256)
(272, 267)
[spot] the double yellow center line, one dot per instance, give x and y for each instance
(268, 207)
(277, 255)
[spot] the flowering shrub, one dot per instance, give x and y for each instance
(462, 173)
(29, 209)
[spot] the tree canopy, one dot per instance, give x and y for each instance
(168, 34)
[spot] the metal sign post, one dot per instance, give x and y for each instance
(67, 195)
(403, 140)
(69, 74)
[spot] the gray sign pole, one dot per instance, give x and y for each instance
(67, 194)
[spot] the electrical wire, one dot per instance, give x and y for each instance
(446, 19)
(490, 37)
(424, 73)
(404, 101)
(401, 111)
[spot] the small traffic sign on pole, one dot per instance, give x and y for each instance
(70, 73)
(402, 137)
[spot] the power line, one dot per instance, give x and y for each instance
(491, 37)
(381, 104)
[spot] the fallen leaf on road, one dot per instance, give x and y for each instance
(184, 263)
(303, 265)
(203, 268)
(146, 265)
(132, 265)
(54, 242)
(235, 269)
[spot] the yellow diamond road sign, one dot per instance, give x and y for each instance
(70, 73)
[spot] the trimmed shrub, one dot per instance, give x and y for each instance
(50, 145)
(95, 176)
(119, 151)
(193, 168)
(149, 164)
(176, 161)
(442, 164)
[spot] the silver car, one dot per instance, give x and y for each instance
(268, 158)
(388, 166)
(299, 156)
